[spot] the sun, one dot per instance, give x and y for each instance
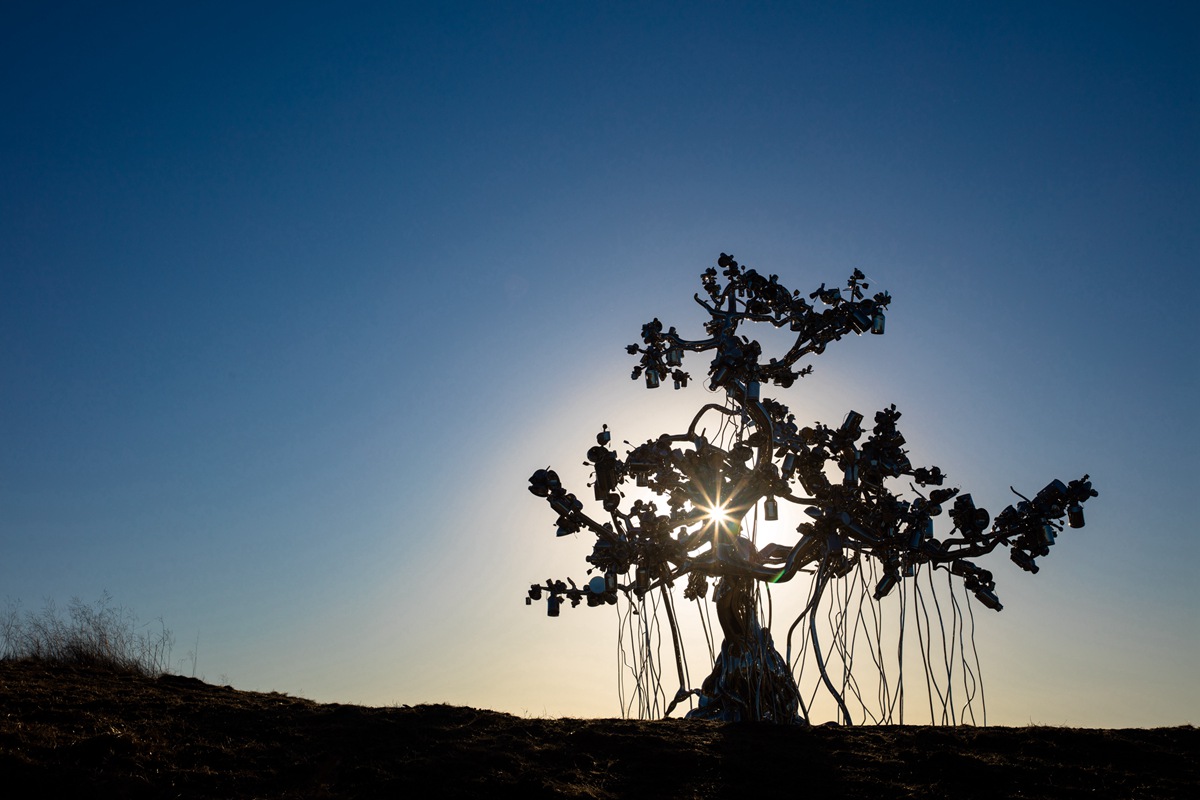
(718, 514)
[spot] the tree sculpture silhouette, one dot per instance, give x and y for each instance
(857, 532)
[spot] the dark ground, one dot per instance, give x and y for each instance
(68, 731)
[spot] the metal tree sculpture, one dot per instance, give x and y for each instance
(760, 458)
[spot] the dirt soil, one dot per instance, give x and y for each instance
(86, 732)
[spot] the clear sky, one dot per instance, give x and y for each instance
(294, 297)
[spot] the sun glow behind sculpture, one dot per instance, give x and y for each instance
(718, 514)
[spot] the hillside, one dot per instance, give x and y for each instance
(85, 732)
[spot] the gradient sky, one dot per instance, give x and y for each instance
(294, 297)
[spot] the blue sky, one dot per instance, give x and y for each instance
(296, 296)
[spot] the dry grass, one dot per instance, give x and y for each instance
(100, 635)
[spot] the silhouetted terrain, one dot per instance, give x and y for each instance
(89, 732)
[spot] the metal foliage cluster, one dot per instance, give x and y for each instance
(693, 532)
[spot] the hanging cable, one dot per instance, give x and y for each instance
(978, 666)
(812, 623)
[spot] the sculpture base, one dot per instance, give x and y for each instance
(750, 681)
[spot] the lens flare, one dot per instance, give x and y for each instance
(719, 515)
